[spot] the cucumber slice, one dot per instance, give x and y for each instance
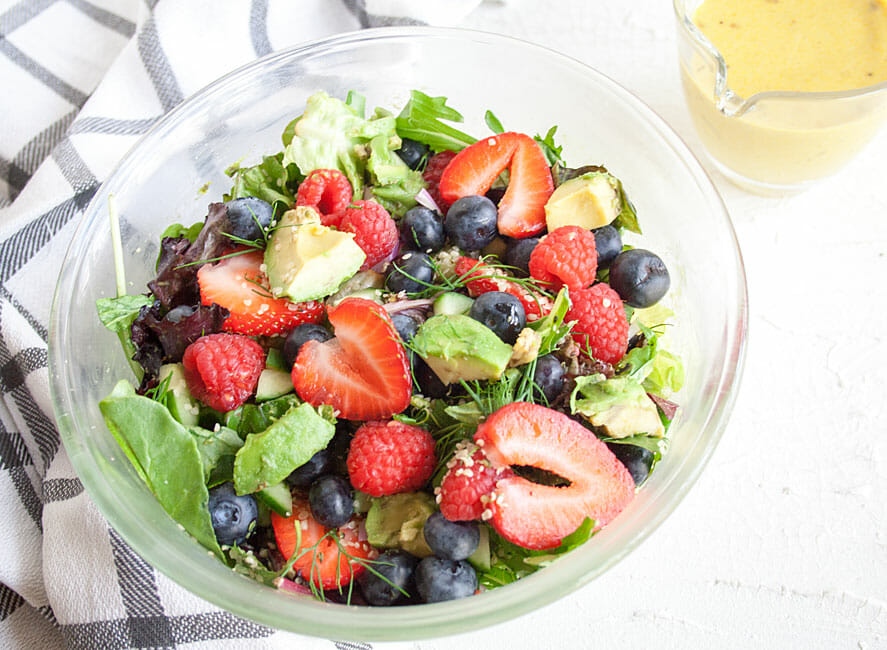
(277, 497)
(182, 406)
(273, 383)
(275, 360)
(451, 304)
(480, 559)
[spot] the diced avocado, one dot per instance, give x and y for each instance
(480, 559)
(269, 457)
(273, 383)
(458, 347)
(620, 406)
(277, 497)
(361, 280)
(588, 201)
(451, 303)
(362, 502)
(367, 294)
(398, 520)
(274, 359)
(305, 260)
(181, 404)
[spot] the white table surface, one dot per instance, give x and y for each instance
(783, 541)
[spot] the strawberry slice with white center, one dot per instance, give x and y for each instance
(473, 170)
(238, 284)
(538, 516)
(362, 372)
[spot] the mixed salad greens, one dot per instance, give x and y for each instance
(397, 363)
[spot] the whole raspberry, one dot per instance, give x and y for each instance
(327, 190)
(222, 370)
(388, 457)
(470, 480)
(601, 325)
(565, 256)
(374, 230)
(487, 278)
(433, 170)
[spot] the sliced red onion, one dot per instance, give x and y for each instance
(425, 199)
(285, 584)
(361, 531)
(380, 267)
(403, 305)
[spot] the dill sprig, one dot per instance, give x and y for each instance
(160, 393)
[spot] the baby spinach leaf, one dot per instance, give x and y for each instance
(166, 456)
(217, 450)
(268, 457)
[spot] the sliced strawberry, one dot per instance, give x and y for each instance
(323, 564)
(473, 170)
(363, 371)
(539, 516)
(492, 279)
(238, 284)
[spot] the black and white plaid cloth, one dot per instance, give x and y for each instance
(81, 81)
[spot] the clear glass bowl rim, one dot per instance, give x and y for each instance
(414, 622)
(733, 105)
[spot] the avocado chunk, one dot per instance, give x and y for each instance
(620, 406)
(305, 260)
(481, 559)
(458, 347)
(398, 520)
(273, 383)
(588, 201)
(181, 404)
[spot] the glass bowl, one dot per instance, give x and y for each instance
(773, 142)
(241, 116)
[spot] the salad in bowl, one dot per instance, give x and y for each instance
(396, 363)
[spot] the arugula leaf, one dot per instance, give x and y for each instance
(493, 122)
(165, 455)
(552, 328)
(420, 120)
(117, 314)
(178, 230)
(628, 216)
(551, 149)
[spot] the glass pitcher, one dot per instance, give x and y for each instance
(773, 142)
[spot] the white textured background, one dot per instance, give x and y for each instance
(783, 541)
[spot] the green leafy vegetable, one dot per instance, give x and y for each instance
(217, 451)
(666, 375)
(552, 328)
(269, 457)
(178, 230)
(117, 314)
(165, 454)
(493, 122)
(356, 101)
(549, 147)
(628, 216)
(420, 120)
(619, 405)
(272, 180)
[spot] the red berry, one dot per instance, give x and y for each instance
(601, 325)
(238, 284)
(473, 170)
(222, 370)
(328, 191)
(374, 230)
(390, 457)
(486, 278)
(538, 516)
(324, 564)
(565, 256)
(433, 170)
(466, 487)
(363, 372)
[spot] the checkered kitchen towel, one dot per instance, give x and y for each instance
(80, 81)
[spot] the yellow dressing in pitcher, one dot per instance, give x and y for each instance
(798, 46)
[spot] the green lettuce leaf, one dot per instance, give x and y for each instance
(117, 314)
(272, 180)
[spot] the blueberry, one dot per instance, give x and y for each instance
(427, 381)
(408, 273)
(299, 336)
(471, 222)
(608, 243)
(397, 569)
(451, 540)
(176, 314)
(331, 501)
(412, 152)
(438, 580)
(501, 312)
(306, 474)
(249, 216)
(549, 376)
(639, 277)
(637, 460)
(518, 253)
(406, 326)
(233, 517)
(423, 229)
